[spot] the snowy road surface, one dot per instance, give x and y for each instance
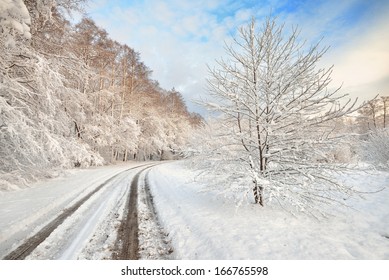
(178, 218)
(76, 217)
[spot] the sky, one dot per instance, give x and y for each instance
(177, 39)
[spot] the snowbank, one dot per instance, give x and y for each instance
(204, 226)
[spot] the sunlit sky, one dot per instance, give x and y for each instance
(178, 38)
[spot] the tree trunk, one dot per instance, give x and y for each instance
(384, 113)
(258, 193)
(125, 155)
(77, 129)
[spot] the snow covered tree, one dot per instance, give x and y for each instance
(14, 20)
(374, 114)
(385, 108)
(373, 124)
(36, 97)
(278, 115)
(71, 96)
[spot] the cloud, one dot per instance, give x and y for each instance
(362, 63)
(177, 39)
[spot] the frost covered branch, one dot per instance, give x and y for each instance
(279, 116)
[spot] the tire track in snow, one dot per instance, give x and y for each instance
(154, 241)
(89, 226)
(32, 242)
(127, 243)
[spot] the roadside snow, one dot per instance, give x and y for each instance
(204, 226)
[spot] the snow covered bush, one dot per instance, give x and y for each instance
(376, 148)
(278, 118)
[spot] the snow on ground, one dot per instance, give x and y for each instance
(154, 244)
(91, 232)
(204, 226)
(198, 223)
(24, 212)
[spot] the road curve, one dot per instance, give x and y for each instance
(130, 245)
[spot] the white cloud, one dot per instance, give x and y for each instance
(362, 63)
(178, 38)
(175, 39)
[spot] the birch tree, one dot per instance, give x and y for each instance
(279, 115)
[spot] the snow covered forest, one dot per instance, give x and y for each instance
(70, 96)
(282, 148)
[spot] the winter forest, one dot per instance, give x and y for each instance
(285, 158)
(73, 97)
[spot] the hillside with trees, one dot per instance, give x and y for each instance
(71, 96)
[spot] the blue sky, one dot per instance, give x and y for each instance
(178, 38)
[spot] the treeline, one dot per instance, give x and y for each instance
(374, 115)
(72, 96)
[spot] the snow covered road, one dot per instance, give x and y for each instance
(131, 211)
(76, 217)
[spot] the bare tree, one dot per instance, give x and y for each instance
(368, 119)
(373, 114)
(279, 114)
(385, 105)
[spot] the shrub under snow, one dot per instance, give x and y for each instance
(376, 148)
